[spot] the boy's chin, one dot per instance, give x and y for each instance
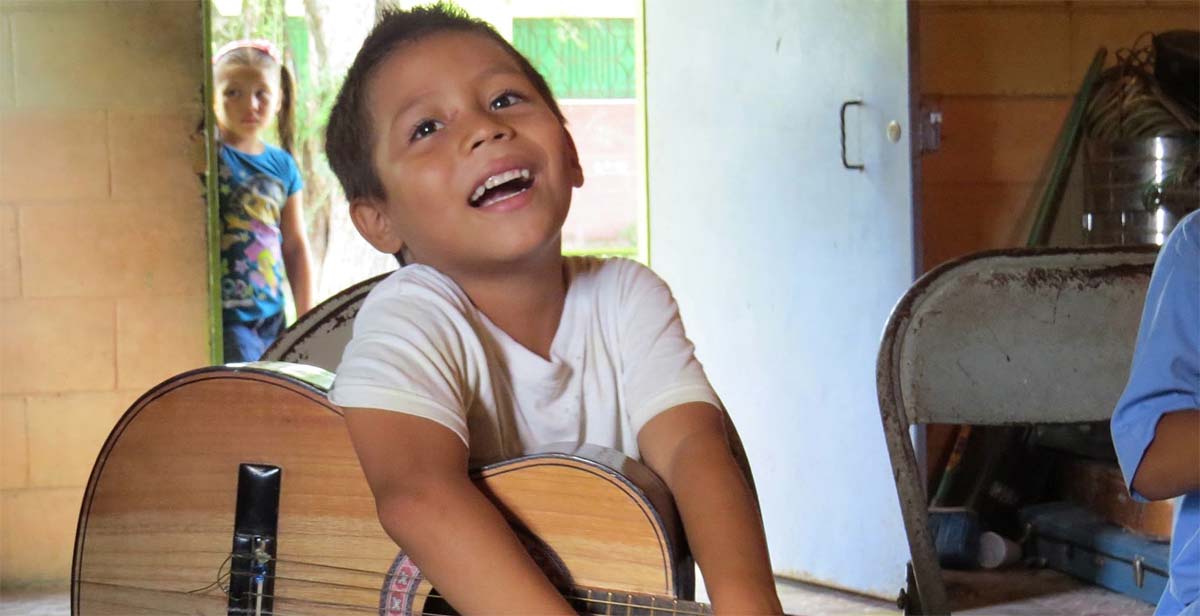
(522, 257)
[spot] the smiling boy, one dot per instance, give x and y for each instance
(450, 146)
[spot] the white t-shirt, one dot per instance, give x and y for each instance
(619, 358)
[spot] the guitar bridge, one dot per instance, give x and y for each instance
(252, 564)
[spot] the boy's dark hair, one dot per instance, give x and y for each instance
(348, 137)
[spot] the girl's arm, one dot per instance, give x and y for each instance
(417, 470)
(686, 446)
(297, 258)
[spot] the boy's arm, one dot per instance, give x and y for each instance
(1171, 465)
(417, 470)
(686, 446)
(297, 259)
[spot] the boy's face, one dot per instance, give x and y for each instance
(477, 169)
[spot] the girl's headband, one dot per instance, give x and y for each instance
(262, 45)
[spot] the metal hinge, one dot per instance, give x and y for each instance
(929, 127)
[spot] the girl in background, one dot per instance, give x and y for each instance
(263, 242)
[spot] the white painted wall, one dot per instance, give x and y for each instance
(785, 264)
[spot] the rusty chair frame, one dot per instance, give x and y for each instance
(1001, 338)
(320, 335)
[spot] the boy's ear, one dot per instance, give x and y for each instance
(375, 225)
(573, 166)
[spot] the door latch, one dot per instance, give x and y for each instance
(929, 127)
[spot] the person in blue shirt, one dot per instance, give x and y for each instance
(263, 242)
(1156, 424)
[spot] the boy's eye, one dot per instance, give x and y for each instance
(424, 129)
(507, 99)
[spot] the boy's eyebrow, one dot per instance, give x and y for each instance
(405, 105)
(414, 100)
(497, 69)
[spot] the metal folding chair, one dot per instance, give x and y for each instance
(319, 336)
(1001, 338)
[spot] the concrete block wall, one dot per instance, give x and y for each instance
(103, 266)
(1004, 73)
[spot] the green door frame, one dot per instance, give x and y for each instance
(216, 339)
(640, 71)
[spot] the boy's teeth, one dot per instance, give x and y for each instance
(497, 180)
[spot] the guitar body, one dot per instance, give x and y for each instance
(157, 526)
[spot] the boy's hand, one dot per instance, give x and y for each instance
(417, 470)
(686, 446)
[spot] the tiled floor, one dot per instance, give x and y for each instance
(1034, 592)
(34, 603)
(798, 598)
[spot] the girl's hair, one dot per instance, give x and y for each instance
(264, 57)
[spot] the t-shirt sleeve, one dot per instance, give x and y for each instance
(1165, 371)
(407, 356)
(293, 179)
(659, 365)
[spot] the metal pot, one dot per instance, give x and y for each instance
(1136, 190)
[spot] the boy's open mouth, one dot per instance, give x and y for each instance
(500, 187)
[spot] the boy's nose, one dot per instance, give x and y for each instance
(496, 137)
(488, 130)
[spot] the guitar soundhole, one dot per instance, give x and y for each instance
(405, 586)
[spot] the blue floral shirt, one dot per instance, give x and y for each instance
(253, 189)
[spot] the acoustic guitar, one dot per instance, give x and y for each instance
(235, 490)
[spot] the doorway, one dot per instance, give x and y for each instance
(589, 51)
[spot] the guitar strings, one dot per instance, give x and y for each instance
(165, 610)
(220, 577)
(373, 589)
(630, 607)
(126, 604)
(433, 594)
(224, 577)
(375, 573)
(314, 602)
(437, 596)
(322, 566)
